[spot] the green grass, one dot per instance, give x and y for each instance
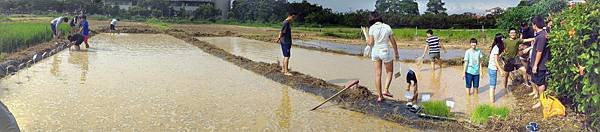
(16, 35)
(483, 113)
(157, 23)
(411, 34)
(4, 18)
(436, 108)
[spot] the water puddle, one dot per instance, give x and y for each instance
(151, 82)
(411, 53)
(444, 84)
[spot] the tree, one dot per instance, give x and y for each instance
(436, 7)
(397, 7)
(159, 7)
(512, 17)
(259, 10)
(206, 11)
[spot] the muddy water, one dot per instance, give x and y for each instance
(159, 83)
(444, 84)
(410, 53)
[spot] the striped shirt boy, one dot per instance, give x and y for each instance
(434, 44)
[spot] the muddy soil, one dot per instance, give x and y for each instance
(522, 114)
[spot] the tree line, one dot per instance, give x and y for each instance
(397, 13)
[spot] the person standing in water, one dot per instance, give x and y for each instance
(85, 30)
(494, 64)
(433, 46)
(285, 40)
(472, 64)
(380, 36)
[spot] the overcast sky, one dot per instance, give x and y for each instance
(453, 6)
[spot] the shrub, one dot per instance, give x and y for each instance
(573, 41)
(157, 23)
(436, 108)
(483, 113)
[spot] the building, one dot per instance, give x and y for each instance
(494, 11)
(187, 5)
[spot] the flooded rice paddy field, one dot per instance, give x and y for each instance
(406, 53)
(152, 82)
(444, 84)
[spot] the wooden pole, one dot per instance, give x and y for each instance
(349, 85)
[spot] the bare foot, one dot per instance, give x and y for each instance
(388, 94)
(287, 73)
(536, 105)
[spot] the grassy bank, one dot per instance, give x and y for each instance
(412, 34)
(14, 36)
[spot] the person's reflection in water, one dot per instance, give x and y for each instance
(56, 60)
(80, 58)
(439, 92)
(7, 120)
(284, 112)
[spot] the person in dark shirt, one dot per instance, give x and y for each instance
(285, 40)
(76, 40)
(539, 56)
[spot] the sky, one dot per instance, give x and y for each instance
(453, 6)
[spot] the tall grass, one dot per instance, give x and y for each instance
(482, 113)
(14, 36)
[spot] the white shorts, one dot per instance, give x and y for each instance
(384, 54)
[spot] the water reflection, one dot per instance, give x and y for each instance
(81, 60)
(55, 69)
(284, 111)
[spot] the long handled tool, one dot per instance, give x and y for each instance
(348, 85)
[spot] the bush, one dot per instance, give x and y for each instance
(573, 41)
(483, 113)
(514, 16)
(436, 108)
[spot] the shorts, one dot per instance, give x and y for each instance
(112, 27)
(85, 39)
(382, 54)
(286, 49)
(434, 56)
(53, 28)
(511, 64)
(539, 78)
(411, 77)
(471, 80)
(493, 77)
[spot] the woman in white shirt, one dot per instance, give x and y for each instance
(380, 36)
(494, 63)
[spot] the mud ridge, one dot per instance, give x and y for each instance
(360, 100)
(23, 59)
